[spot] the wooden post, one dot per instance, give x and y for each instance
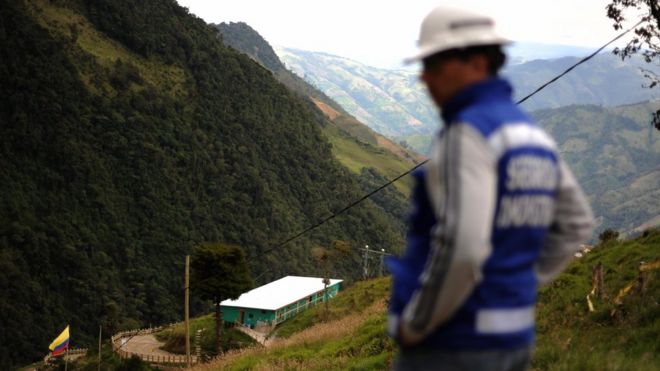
(600, 290)
(642, 278)
(187, 302)
(99, 368)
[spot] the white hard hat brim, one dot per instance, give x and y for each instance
(482, 39)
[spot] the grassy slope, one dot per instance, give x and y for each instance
(569, 337)
(354, 144)
(175, 340)
(349, 337)
(356, 155)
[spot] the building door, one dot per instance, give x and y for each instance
(240, 318)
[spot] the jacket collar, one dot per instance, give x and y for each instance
(493, 88)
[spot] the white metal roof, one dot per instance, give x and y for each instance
(280, 293)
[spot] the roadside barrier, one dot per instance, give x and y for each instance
(121, 338)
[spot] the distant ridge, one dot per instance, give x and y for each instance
(389, 101)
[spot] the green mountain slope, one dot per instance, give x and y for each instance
(392, 102)
(355, 145)
(129, 133)
(620, 336)
(615, 154)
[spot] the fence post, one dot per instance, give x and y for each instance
(642, 279)
(599, 281)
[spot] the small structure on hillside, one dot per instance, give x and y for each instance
(584, 250)
(277, 301)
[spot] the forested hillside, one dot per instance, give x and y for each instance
(129, 134)
(615, 154)
(355, 145)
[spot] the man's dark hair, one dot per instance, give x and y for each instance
(493, 53)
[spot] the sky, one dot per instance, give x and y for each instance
(382, 33)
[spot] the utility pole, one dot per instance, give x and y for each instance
(187, 314)
(382, 259)
(367, 255)
(365, 262)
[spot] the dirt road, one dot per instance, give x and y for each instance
(144, 344)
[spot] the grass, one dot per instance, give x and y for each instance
(353, 300)
(175, 339)
(572, 338)
(356, 155)
(354, 342)
(351, 336)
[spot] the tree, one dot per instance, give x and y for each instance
(608, 235)
(326, 258)
(647, 37)
(219, 272)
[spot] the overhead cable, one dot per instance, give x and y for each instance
(325, 220)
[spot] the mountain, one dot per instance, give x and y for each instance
(356, 146)
(524, 51)
(614, 151)
(615, 154)
(394, 102)
(128, 134)
(604, 80)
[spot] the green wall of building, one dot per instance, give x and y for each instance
(252, 315)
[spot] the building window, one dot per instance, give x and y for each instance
(250, 315)
(263, 311)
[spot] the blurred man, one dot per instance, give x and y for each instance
(495, 212)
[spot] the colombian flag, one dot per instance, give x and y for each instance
(60, 343)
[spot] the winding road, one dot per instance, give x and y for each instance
(146, 344)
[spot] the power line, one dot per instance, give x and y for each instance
(345, 208)
(334, 215)
(579, 62)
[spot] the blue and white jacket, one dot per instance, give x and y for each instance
(495, 213)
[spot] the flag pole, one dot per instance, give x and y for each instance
(66, 359)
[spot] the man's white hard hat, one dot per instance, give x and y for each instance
(448, 28)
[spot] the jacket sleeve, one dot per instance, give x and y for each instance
(572, 224)
(464, 199)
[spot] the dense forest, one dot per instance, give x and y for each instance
(369, 155)
(614, 152)
(129, 134)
